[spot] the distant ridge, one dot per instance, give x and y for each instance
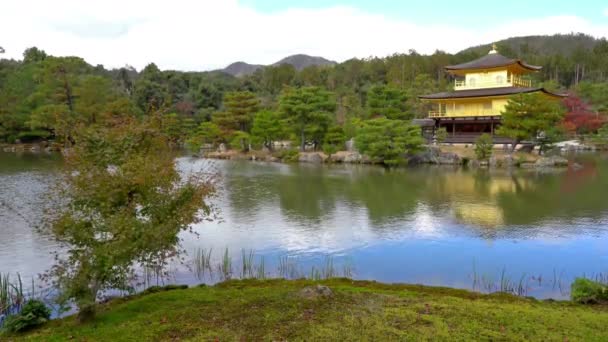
(563, 44)
(303, 61)
(239, 69)
(299, 62)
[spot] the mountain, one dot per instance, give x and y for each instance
(302, 61)
(299, 62)
(561, 44)
(239, 69)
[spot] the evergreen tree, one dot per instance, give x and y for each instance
(267, 128)
(308, 111)
(526, 116)
(388, 140)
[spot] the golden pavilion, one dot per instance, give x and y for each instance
(481, 90)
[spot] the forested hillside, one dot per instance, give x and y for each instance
(43, 97)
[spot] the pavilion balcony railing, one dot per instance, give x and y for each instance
(462, 113)
(511, 81)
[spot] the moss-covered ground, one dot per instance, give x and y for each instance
(274, 310)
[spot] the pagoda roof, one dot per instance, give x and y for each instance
(486, 92)
(490, 61)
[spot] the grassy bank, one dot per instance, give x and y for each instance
(256, 310)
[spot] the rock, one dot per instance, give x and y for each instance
(577, 166)
(449, 158)
(428, 156)
(479, 163)
(366, 160)
(222, 148)
(434, 155)
(353, 157)
(345, 157)
(337, 157)
(314, 292)
(553, 161)
(312, 157)
(508, 161)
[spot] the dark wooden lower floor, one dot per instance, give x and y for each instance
(464, 130)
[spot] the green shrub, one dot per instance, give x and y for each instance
(441, 134)
(483, 147)
(33, 135)
(587, 291)
(289, 156)
(33, 314)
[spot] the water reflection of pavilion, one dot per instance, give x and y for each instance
(475, 200)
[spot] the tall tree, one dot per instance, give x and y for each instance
(267, 128)
(388, 140)
(388, 102)
(124, 206)
(239, 110)
(308, 110)
(528, 116)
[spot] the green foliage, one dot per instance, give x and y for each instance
(206, 133)
(588, 291)
(388, 140)
(334, 140)
(441, 134)
(526, 116)
(601, 138)
(240, 140)
(58, 94)
(267, 128)
(595, 93)
(289, 156)
(308, 111)
(239, 110)
(124, 204)
(34, 313)
(170, 287)
(387, 102)
(483, 147)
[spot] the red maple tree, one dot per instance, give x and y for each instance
(580, 118)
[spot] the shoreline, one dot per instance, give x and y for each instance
(447, 155)
(335, 309)
(430, 155)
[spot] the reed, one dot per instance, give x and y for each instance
(247, 269)
(315, 274)
(202, 262)
(225, 266)
(5, 294)
(288, 268)
(328, 270)
(261, 269)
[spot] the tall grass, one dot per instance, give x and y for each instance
(247, 269)
(202, 262)
(287, 267)
(225, 266)
(261, 269)
(13, 295)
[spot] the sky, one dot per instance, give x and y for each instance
(206, 34)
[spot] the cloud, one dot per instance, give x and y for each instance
(203, 35)
(606, 12)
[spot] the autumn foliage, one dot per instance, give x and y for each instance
(580, 118)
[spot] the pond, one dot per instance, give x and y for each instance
(525, 231)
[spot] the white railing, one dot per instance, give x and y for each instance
(463, 113)
(511, 81)
(436, 114)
